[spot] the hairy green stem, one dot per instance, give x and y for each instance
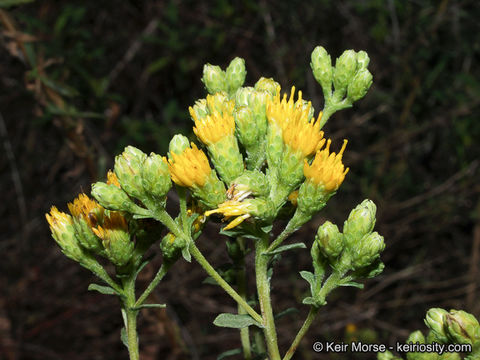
(131, 318)
(263, 290)
(182, 194)
(195, 252)
(242, 291)
(158, 277)
(293, 225)
(301, 333)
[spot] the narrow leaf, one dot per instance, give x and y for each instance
(235, 321)
(123, 337)
(186, 254)
(106, 290)
(229, 353)
(149, 306)
(286, 247)
(352, 283)
(288, 311)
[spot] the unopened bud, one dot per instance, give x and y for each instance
(171, 247)
(251, 182)
(360, 222)
(128, 168)
(360, 84)
(329, 239)
(214, 78)
(435, 321)
(118, 246)
(345, 68)
(362, 60)
(415, 337)
(267, 84)
(178, 144)
(155, 176)
(367, 250)
(242, 96)
(462, 327)
(321, 65)
(235, 74)
(113, 198)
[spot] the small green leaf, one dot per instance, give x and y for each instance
(106, 290)
(123, 337)
(352, 283)
(235, 321)
(288, 311)
(186, 254)
(285, 248)
(309, 301)
(148, 306)
(229, 353)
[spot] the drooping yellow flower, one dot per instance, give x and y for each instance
(214, 127)
(231, 208)
(293, 119)
(87, 209)
(327, 169)
(59, 221)
(112, 179)
(190, 168)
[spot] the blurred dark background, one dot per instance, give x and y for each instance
(80, 80)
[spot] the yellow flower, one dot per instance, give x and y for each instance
(112, 179)
(190, 168)
(292, 117)
(232, 208)
(87, 209)
(219, 102)
(327, 169)
(59, 221)
(213, 127)
(113, 222)
(293, 197)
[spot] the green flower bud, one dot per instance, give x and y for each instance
(63, 232)
(345, 68)
(251, 182)
(312, 198)
(214, 79)
(360, 222)
(85, 236)
(362, 60)
(321, 65)
(359, 86)
(367, 250)
(200, 108)
(462, 327)
(258, 103)
(242, 96)
(171, 247)
(329, 239)
(415, 337)
(155, 176)
(245, 126)
(178, 144)
(114, 198)
(128, 168)
(435, 321)
(235, 74)
(267, 84)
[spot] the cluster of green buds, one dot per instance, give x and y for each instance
(352, 255)
(217, 80)
(446, 327)
(349, 78)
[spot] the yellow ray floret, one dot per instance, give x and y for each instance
(113, 222)
(58, 220)
(232, 208)
(214, 127)
(87, 209)
(292, 117)
(112, 179)
(190, 168)
(327, 168)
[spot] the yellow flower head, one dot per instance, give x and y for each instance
(190, 168)
(327, 168)
(111, 223)
(87, 209)
(293, 197)
(58, 221)
(213, 127)
(112, 179)
(292, 117)
(232, 208)
(219, 102)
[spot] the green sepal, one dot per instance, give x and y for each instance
(283, 248)
(105, 290)
(236, 321)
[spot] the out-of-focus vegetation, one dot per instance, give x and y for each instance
(82, 79)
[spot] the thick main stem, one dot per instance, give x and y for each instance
(242, 291)
(131, 318)
(301, 333)
(263, 289)
(195, 252)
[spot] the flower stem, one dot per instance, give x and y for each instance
(301, 333)
(295, 222)
(195, 252)
(263, 290)
(158, 277)
(131, 318)
(242, 291)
